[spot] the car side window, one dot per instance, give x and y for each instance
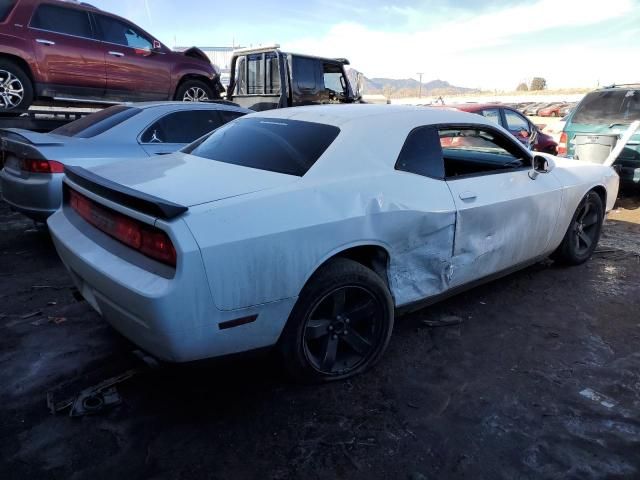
(333, 78)
(304, 73)
(68, 21)
(257, 74)
(516, 122)
(121, 33)
(422, 154)
(182, 127)
(241, 77)
(469, 151)
(255, 77)
(492, 114)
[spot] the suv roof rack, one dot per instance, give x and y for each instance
(614, 85)
(263, 48)
(276, 46)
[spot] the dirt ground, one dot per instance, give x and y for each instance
(540, 380)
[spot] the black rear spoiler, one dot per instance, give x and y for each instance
(123, 195)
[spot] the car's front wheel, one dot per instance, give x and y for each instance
(340, 325)
(16, 91)
(194, 91)
(583, 234)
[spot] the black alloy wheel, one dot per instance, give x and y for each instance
(342, 330)
(583, 234)
(340, 325)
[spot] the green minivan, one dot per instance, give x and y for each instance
(597, 123)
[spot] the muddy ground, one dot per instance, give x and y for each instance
(541, 380)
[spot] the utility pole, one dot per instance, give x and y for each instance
(420, 86)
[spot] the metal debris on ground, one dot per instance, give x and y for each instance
(30, 315)
(50, 287)
(57, 320)
(445, 321)
(93, 399)
(598, 398)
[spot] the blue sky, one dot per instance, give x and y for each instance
(493, 45)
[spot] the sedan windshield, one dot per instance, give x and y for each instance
(97, 123)
(277, 145)
(609, 107)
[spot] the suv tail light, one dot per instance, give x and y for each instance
(33, 165)
(148, 240)
(562, 144)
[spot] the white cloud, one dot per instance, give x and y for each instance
(466, 50)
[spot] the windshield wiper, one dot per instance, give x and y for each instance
(617, 123)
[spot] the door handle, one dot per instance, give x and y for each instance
(468, 196)
(44, 42)
(117, 54)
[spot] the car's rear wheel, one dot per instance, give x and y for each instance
(194, 91)
(340, 325)
(16, 90)
(583, 234)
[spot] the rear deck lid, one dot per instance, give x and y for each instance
(188, 180)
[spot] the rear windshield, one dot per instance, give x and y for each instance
(97, 123)
(5, 8)
(276, 145)
(609, 107)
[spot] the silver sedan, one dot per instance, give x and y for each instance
(31, 181)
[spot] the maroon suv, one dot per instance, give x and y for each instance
(70, 51)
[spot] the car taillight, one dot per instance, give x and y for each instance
(33, 165)
(562, 144)
(149, 241)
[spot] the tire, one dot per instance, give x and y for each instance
(194, 91)
(16, 89)
(344, 313)
(584, 231)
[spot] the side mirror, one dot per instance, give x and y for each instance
(541, 165)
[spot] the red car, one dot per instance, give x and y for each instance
(513, 121)
(70, 51)
(552, 110)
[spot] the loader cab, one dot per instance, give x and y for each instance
(266, 78)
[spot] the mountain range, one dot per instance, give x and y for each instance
(409, 87)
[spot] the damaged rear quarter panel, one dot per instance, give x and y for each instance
(264, 247)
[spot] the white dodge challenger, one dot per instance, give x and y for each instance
(309, 228)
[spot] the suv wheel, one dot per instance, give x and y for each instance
(194, 91)
(340, 325)
(16, 91)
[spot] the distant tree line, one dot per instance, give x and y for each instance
(537, 84)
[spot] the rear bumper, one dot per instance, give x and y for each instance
(174, 319)
(37, 197)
